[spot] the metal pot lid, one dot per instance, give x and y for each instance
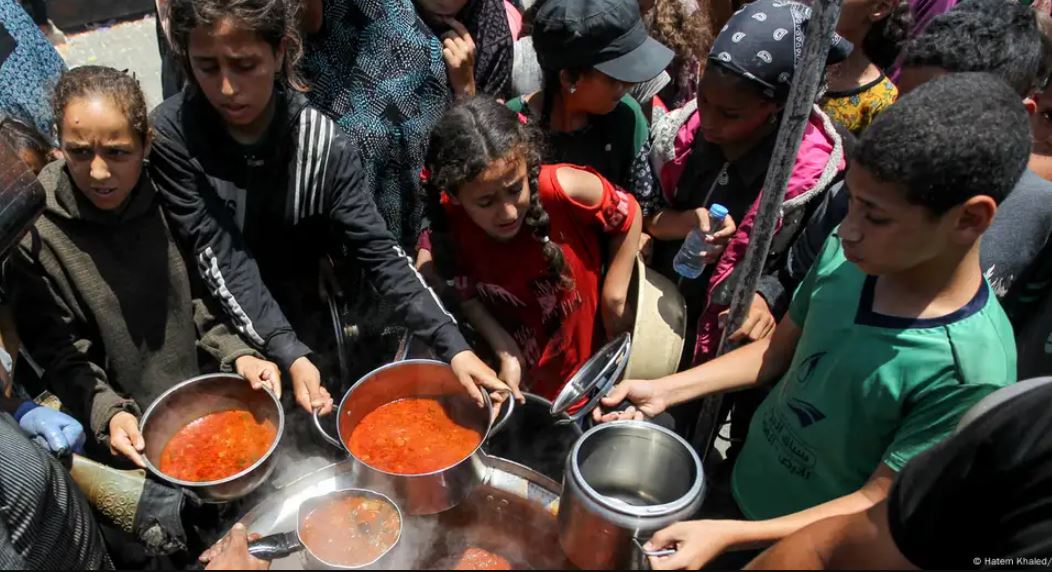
(595, 378)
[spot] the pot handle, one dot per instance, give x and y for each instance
(325, 434)
(275, 546)
(503, 420)
(653, 553)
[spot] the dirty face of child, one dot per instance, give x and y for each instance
(732, 112)
(497, 200)
(103, 153)
(884, 233)
(235, 69)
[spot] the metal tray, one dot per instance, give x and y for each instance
(511, 514)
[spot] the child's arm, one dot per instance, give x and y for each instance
(759, 363)
(231, 352)
(49, 328)
(205, 227)
(699, 541)
(672, 224)
(851, 542)
(349, 205)
(623, 251)
(500, 341)
(621, 219)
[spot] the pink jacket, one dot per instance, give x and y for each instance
(818, 164)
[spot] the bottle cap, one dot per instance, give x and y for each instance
(718, 211)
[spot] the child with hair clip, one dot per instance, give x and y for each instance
(718, 148)
(591, 53)
(858, 87)
(526, 244)
(260, 185)
(101, 294)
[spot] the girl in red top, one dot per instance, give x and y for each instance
(526, 245)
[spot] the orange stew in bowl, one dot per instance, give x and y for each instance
(217, 446)
(480, 559)
(410, 437)
(351, 530)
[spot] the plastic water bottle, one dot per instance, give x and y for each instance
(688, 263)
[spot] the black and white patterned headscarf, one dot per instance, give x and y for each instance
(763, 41)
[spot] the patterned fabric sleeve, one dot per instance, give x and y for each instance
(642, 184)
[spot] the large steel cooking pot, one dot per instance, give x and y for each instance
(426, 493)
(200, 396)
(284, 544)
(511, 514)
(535, 438)
(624, 481)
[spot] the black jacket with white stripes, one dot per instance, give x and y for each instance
(259, 217)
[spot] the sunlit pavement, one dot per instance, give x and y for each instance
(128, 45)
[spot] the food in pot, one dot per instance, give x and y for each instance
(412, 436)
(479, 559)
(351, 530)
(217, 446)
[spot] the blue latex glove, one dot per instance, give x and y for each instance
(59, 432)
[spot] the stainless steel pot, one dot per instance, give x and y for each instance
(623, 482)
(536, 438)
(512, 514)
(427, 493)
(200, 396)
(283, 544)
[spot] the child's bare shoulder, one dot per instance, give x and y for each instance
(580, 185)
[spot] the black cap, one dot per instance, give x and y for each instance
(608, 35)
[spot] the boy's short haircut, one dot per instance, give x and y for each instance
(953, 138)
(993, 36)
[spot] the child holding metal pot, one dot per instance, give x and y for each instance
(101, 293)
(260, 185)
(892, 336)
(526, 244)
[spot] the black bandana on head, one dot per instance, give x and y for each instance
(763, 41)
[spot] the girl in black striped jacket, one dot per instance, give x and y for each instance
(260, 185)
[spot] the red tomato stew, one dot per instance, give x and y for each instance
(351, 530)
(410, 437)
(480, 559)
(217, 446)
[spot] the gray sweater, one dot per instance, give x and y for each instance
(103, 302)
(1019, 232)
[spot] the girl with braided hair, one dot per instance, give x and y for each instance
(523, 243)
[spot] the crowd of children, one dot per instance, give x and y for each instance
(908, 276)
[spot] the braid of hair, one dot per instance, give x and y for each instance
(539, 223)
(441, 244)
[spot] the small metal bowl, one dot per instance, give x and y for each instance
(195, 398)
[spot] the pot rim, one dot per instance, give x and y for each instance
(487, 405)
(362, 492)
(692, 494)
(201, 484)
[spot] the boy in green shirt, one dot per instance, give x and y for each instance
(892, 336)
